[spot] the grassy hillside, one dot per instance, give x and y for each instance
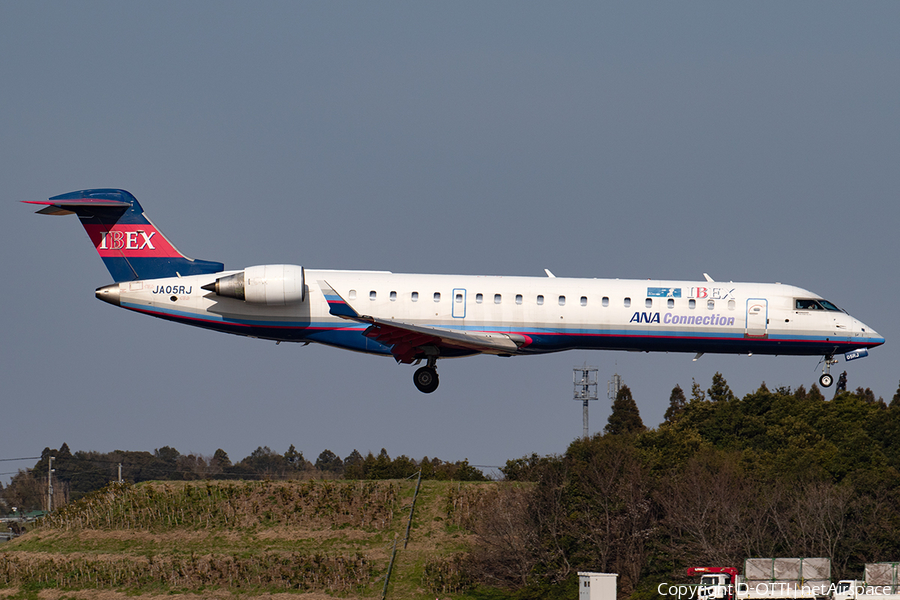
(222, 538)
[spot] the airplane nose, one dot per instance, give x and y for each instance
(109, 293)
(870, 335)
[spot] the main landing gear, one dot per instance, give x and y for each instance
(426, 378)
(826, 379)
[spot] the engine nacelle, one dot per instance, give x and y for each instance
(272, 285)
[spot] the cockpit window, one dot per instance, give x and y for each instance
(810, 304)
(803, 304)
(829, 306)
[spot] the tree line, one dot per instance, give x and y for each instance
(776, 473)
(79, 473)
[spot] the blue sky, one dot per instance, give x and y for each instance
(752, 141)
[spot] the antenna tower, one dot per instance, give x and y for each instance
(585, 383)
(613, 386)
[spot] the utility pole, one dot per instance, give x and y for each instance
(584, 379)
(50, 483)
(120, 472)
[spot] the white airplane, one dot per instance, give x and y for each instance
(427, 317)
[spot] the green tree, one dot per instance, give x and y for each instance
(329, 462)
(262, 462)
(895, 401)
(815, 394)
(867, 395)
(625, 417)
(380, 467)
(294, 459)
(26, 492)
(719, 391)
(527, 468)
(354, 466)
(167, 454)
(697, 393)
(466, 472)
(677, 402)
(220, 460)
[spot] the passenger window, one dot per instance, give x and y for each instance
(393, 296)
(627, 302)
(670, 303)
(459, 298)
(540, 299)
(605, 301)
(414, 296)
(353, 294)
(584, 300)
(731, 305)
(710, 304)
(479, 298)
(562, 300)
(372, 295)
(648, 302)
(692, 304)
(497, 299)
(518, 298)
(437, 296)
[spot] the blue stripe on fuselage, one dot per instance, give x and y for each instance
(350, 336)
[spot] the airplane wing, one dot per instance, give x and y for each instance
(406, 339)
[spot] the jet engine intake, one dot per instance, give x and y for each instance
(272, 285)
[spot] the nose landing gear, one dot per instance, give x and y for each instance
(426, 378)
(826, 379)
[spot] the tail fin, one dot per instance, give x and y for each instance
(129, 244)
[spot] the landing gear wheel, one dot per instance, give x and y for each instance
(826, 380)
(426, 379)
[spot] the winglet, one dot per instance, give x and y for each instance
(337, 306)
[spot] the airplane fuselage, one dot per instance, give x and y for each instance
(548, 314)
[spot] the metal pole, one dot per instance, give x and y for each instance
(387, 577)
(411, 509)
(50, 484)
(584, 433)
(120, 472)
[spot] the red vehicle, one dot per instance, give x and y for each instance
(716, 583)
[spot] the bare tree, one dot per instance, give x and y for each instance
(715, 512)
(508, 545)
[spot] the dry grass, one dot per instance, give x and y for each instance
(223, 540)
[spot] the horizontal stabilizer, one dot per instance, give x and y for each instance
(70, 207)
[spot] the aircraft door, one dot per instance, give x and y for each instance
(757, 318)
(459, 303)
